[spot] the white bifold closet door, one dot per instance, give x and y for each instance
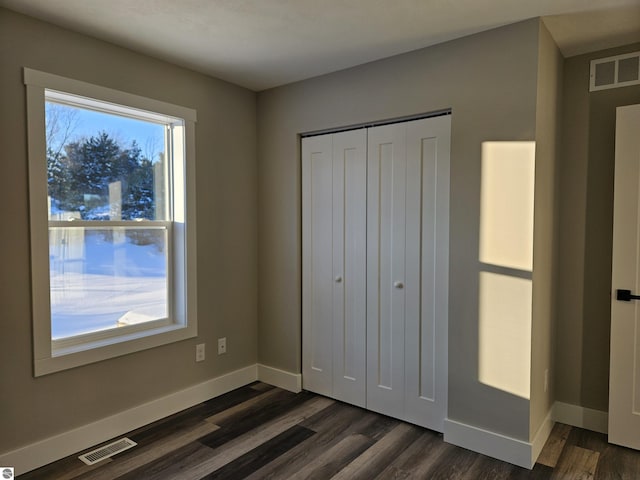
(334, 173)
(375, 268)
(407, 270)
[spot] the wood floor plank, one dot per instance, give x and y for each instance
(341, 417)
(343, 421)
(230, 451)
(335, 415)
(538, 472)
(170, 466)
(423, 453)
(576, 463)
(245, 421)
(244, 407)
(587, 439)
(146, 454)
(453, 464)
(394, 473)
(554, 446)
(379, 427)
(261, 387)
(618, 463)
(487, 468)
(326, 465)
(376, 458)
(228, 400)
(248, 463)
(191, 416)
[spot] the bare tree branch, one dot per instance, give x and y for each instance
(61, 122)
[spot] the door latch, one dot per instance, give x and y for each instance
(625, 296)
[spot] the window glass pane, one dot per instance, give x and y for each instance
(103, 278)
(103, 166)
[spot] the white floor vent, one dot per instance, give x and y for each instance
(614, 72)
(107, 451)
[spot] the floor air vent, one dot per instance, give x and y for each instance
(614, 72)
(107, 451)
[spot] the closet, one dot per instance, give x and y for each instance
(375, 267)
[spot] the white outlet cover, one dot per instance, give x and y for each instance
(200, 352)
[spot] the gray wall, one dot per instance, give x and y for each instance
(489, 80)
(585, 233)
(32, 409)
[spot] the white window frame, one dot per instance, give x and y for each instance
(52, 356)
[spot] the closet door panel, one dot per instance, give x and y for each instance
(318, 281)
(427, 266)
(419, 332)
(349, 266)
(385, 269)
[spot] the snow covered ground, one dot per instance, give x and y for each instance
(98, 278)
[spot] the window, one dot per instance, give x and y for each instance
(112, 227)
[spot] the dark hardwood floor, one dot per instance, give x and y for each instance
(261, 432)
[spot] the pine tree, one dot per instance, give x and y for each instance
(79, 178)
(57, 175)
(139, 200)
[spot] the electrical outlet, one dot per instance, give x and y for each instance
(222, 345)
(200, 352)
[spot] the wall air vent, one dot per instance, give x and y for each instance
(614, 72)
(107, 451)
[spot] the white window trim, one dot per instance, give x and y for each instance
(133, 338)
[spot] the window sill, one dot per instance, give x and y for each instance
(96, 351)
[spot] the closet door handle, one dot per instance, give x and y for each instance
(338, 279)
(398, 285)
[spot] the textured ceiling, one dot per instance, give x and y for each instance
(260, 44)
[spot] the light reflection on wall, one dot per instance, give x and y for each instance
(506, 206)
(506, 264)
(505, 333)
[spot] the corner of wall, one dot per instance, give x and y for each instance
(581, 417)
(539, 439)
(547, 137)
(279, 378)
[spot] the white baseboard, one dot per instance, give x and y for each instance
(54, 448)
(489, 443)
(280, 378)
(577, 416)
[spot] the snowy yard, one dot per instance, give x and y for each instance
(99, 277)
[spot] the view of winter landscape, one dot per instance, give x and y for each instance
(105, 172)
